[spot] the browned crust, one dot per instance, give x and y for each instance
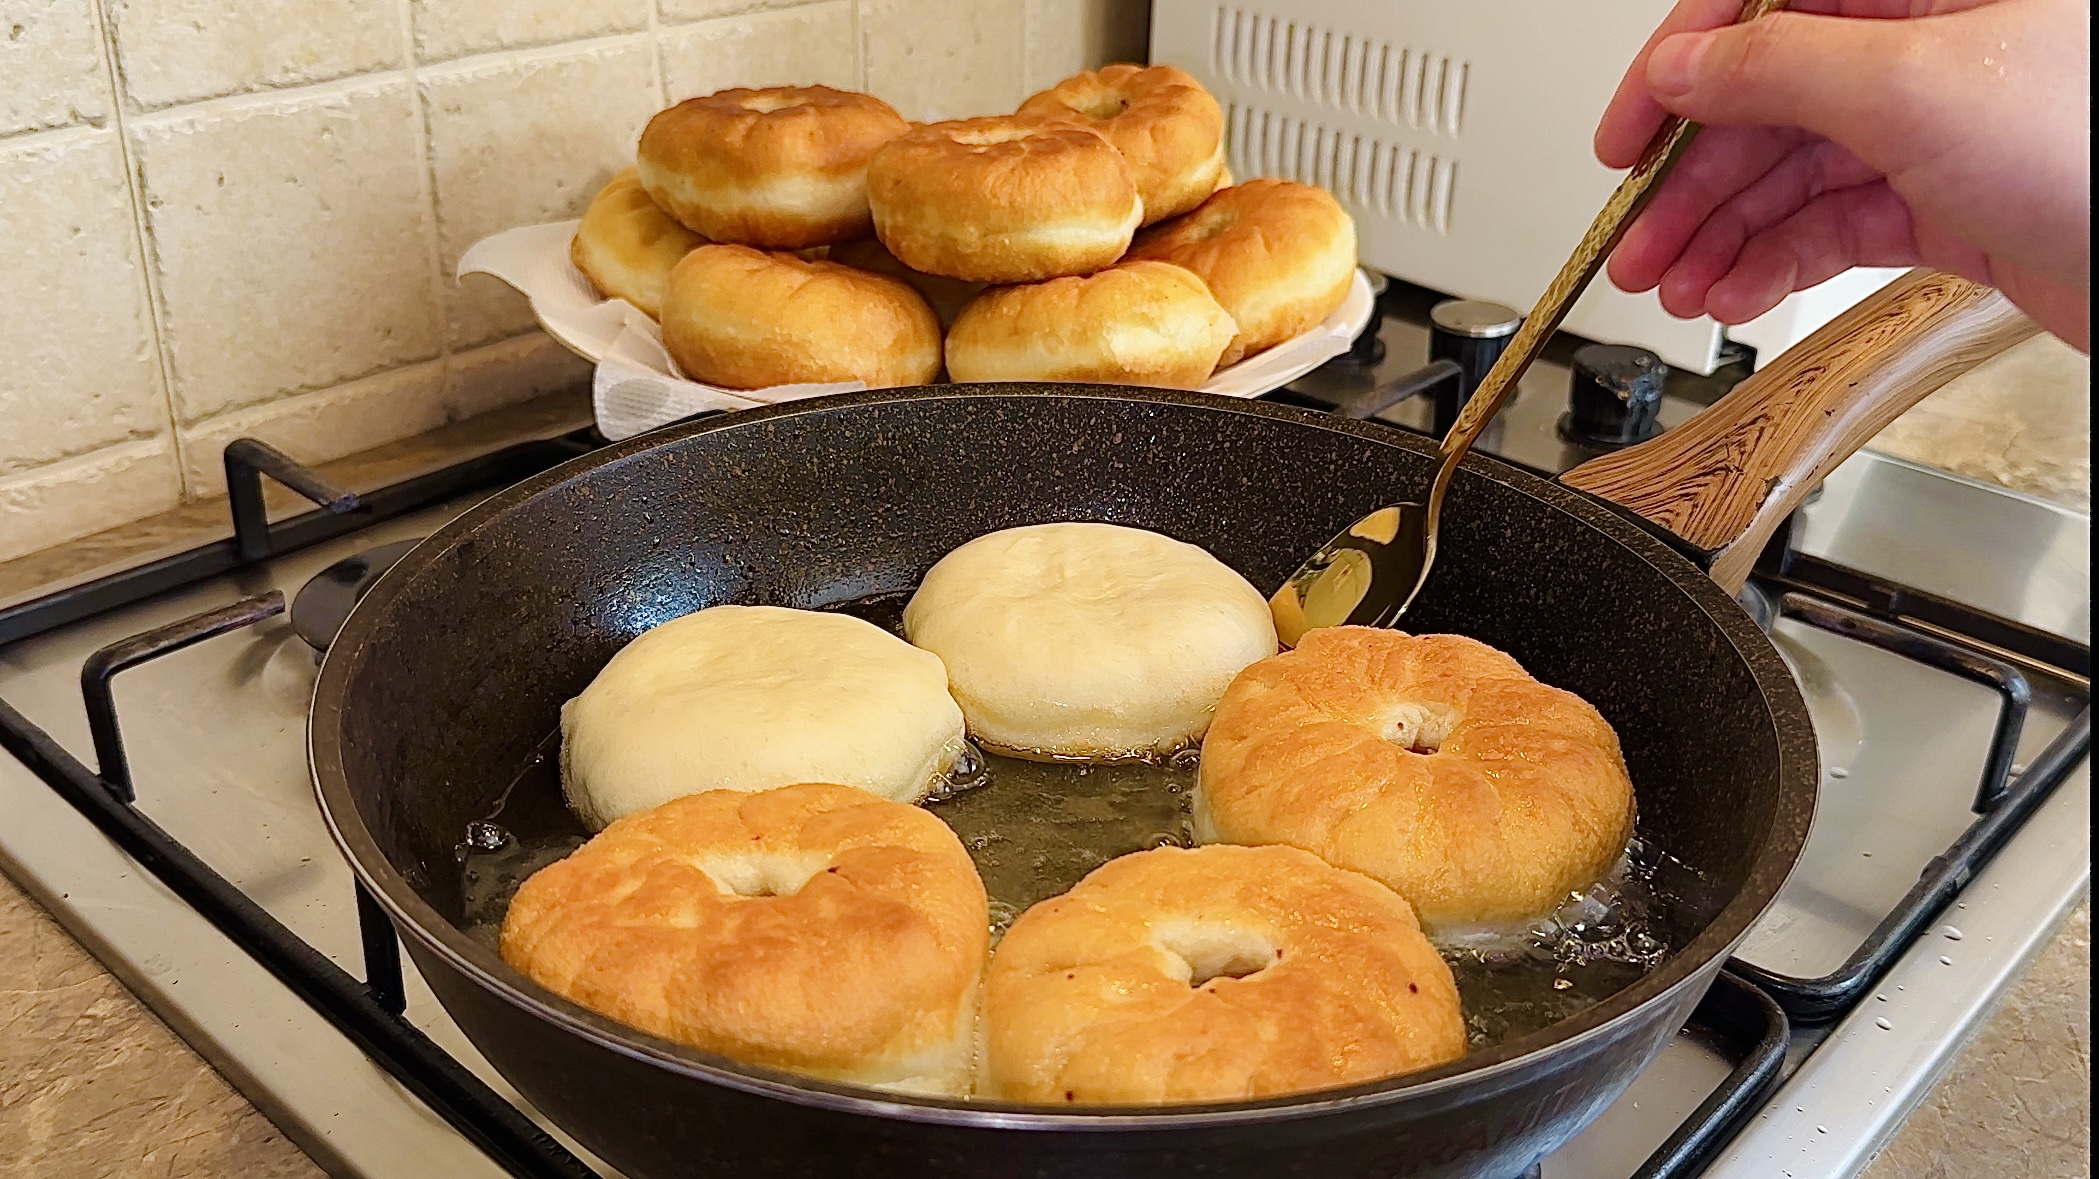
(947, 295)
(1526, 799)
(1279, 255)
(1085, 1003)
(716, 162)
(1085, 329)
(746, 319)
(1161, 119)
(626, 246)
(974, 198)
(876, 957)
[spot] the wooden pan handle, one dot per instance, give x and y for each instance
(1725, 480)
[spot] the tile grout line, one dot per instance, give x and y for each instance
(859, 47)
(129, 121)
(415, 71)
(30, 476)
(426, 182)
(142, 239)
(663, 84)
(1026, 58)
(40, 138)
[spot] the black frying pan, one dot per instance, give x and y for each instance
(453, 669)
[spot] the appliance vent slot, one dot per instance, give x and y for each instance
(1401, 85)
(1372, 175)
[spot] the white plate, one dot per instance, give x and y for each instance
(638, 387)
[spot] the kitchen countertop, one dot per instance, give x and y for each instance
(93, 1085)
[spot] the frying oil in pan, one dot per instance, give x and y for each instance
(1035, 828)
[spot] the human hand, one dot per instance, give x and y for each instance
(1954, 134)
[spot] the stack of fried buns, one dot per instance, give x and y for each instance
(797, 234)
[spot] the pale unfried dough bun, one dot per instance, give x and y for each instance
(814, 928)
(1161, 120)
(1139, 323)
(1213, 974)
(947, 296)
(746, 319)
(1003, 199)
(754, 697)
(1433, 763)
(1087, 640)
(783, 167)
(1277, 254)
(626, 246)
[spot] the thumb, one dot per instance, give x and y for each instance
(1847, 79)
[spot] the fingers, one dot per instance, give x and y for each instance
(1812, 168)
(1859, 82)
(1868, 225)
(1633, 115)
(1719, 164)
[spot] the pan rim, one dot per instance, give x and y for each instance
(1699, 959)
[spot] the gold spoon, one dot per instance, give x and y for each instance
(1371, 573)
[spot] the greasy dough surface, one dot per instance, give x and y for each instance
(1433, 763)
(746, 319)
(1277, 254)
(784, 167)
(1139, 323)
(1162, 121)
(754, 697)
(1213, 974)
(815, 928)
(626, 246)
(1003, 199)
(1087, 640)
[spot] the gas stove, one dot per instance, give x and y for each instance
(1939, 627)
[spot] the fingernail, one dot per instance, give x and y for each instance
(1672, 69)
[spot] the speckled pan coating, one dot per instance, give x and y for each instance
(453, 668)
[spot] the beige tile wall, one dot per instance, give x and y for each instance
(240, 217)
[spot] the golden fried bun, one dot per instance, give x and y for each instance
(1087, 640)
(1003, 199)
(754, 697)
(626, 246)
(1139, 323)
(1433, 763)
(784, 167)
(947, 296)
(745, 319)
(1277, 254)
(814, 928)
(1213, 974)
(1161, 120)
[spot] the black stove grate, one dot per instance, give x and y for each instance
(369, 1013)
(2006, 797)
(1747, 1009)
(255, 538)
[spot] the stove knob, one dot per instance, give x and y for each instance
(1472, 334)
(1616, 392)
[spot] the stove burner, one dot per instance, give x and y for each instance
(324, 603)
(1839, 733)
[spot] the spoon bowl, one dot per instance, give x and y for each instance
(1366, 576)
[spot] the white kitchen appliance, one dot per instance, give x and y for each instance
(1458, 136)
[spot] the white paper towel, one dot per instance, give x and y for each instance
(638, 387)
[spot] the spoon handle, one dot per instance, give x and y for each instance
(1596, 245)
